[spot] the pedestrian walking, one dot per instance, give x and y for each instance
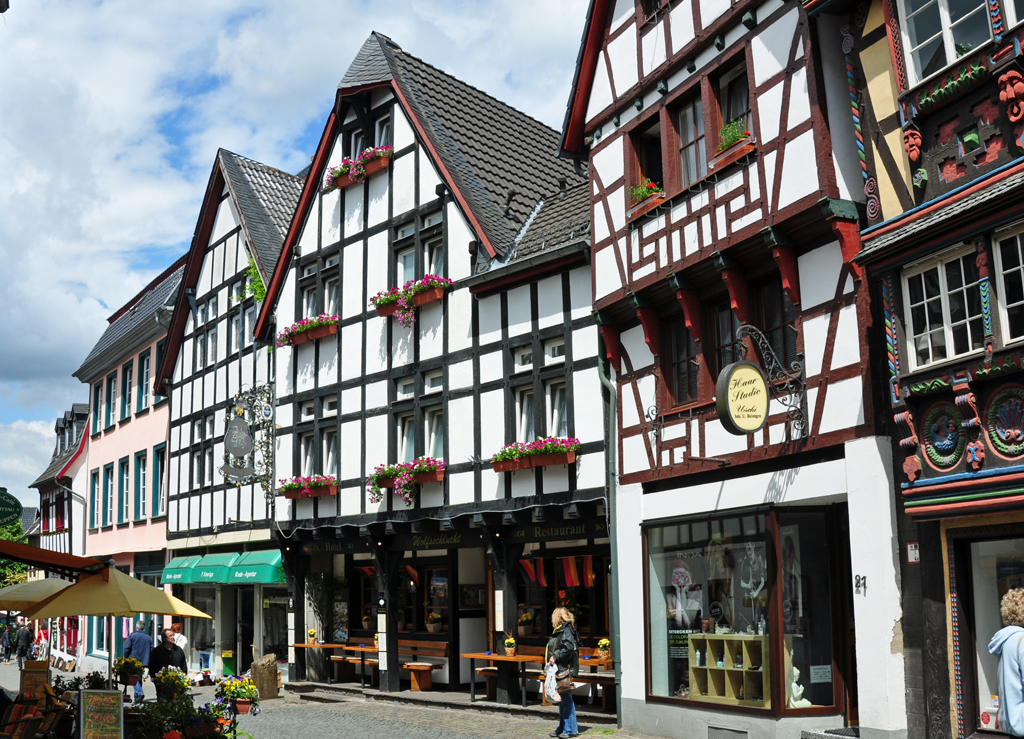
(139, 646)
(168, 654)
(1006, 646)
(23, 644)
(179, 639)
(5, 644)
(563, 651)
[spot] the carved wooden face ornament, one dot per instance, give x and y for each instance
(912, 143)
(1011, 92)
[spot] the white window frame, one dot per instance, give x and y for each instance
(307, 411)
(357, 143)
(328, 402)
(126, 486)
(525, 416)
(306, 454)
(211, 428)
(309, 302)
(1015, 232)
(428, 379)
(250, 325)
(332, 297)
(433, 257)
(522, 358)
(400, 275)
(141, 473)
(160, 466)
(938, 262)
(406, 438)
(332, 261)
(554, 419)
(197, 430)
(433, 422)
(550, 346)
(433, 219)
(208, 467)
(400, 393)
(405, 231)
(330, 452)
(946, 31)
(197, 469)
(236, 334)
(382, 136)
(144, 365)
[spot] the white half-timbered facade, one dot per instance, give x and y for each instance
(509, 353)
(213, 526)
(727, 197)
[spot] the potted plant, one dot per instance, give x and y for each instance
(367, 162)
(366, 621)
(511, 457)
(388, 301)
(395, 476)
(428, 289)
(311, 636)
(308, 329)
(128, 670)
(525, 623)
(240, 692)
(510, 646)
(604, 648)
(553, 450)
(434, 622)
(402, 302)
(734, 142)
(640, 193)
(427, 469)
(313, 486)
(214, 716)
(171, 683)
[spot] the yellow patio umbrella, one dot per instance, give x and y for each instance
(110, 593)
(27, 594)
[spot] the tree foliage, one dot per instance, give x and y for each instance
(12, 573)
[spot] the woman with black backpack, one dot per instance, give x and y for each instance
(563, 651)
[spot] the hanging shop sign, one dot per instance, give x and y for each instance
(249, 439)
(10, 508)
(742, 398)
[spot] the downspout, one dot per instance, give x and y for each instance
(610, 481)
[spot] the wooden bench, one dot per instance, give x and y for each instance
(420, 672)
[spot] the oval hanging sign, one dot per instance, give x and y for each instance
(10, 508)
(742, 398)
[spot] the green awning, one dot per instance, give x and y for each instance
(262, 567)
(213, 567)
(179, 570)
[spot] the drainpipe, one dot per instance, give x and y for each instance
(610, 481)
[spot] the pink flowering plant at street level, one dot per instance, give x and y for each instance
(406, 313)
(402, 473)
(353, 168)
(305, 483)
(287, 337)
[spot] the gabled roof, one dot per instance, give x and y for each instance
(560, 219)
(28, 517)
(133, 321)
(571, 143)
(483, 147)
(59, 463)
(265, 199)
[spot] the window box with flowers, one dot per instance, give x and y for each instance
(402, 302)
(368, 162)
(510, 458)
(735, 142)
(644, 198)
(403, 477)
(314, 486)
(539, 453)
(308, 329)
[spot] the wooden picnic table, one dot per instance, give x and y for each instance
(329, 647)
(522, 659)
(362, 649)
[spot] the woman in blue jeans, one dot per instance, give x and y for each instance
(563, 651)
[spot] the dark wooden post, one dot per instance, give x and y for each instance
(295, 567)
(386, 563)
(504, 557)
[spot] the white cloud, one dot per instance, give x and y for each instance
(27, 450)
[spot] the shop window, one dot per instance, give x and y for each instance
(435, 433)
(406, 260)
(693, 155)
(406, 438)
(685, 364)
(725, 327)
(943, 308)
(1010, 267)
(734, 97)
(938, 32)
(577, 582)
(367, 597)
(558, 423)
(435, 582)
(776, 315)
(202, 631)
(647, 144)
(526, 427)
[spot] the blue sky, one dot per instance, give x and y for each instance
(114, 110)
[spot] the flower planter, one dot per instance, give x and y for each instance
(511, 465)
(317, 491)
(366, 624)
(386, 482)
(242, 705)
(300, 338)
(525, 630)
(376, 644)
(129, 679)
(543, 460)
(321, 332)
(434, 628)
(510, 651)
(421, 478)
(430, 295)
(387, 309)
(734, 153)
(372, 167)
(310, 640)
(646, 205)
(604, 653)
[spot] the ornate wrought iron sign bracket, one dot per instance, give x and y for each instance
(787, 386)
(249, 439)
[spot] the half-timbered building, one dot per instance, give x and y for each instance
(224, 561)
(939, 86)
(469, 191)
(727, 197)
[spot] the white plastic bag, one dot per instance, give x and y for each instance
(550, 685)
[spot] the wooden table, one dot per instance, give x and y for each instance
(522, 659)
(362, 649)
(323, 646)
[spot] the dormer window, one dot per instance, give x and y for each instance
(938, 32)
(383, 137)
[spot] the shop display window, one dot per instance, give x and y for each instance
(202, 632)
(579, 583)
(275, 622)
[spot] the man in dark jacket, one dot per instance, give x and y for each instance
(139, 646)
(23, 643)
(168, 654)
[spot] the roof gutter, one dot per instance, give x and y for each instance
(573, 253)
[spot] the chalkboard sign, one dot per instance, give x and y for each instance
(100, 714)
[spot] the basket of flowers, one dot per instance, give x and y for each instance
(604, 648)
(510, 646)
(171, 683)
(240, 692)
(128, 670)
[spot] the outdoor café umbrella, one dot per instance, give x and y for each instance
(27, 594)
(110, 593)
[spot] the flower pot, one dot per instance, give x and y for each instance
(376, 644)
(421, 478)
(386, 482)
(525, 629)
(242, 705)
(604, 653)
(321, 332)
(510, 465)
(366, 624)
(510, 651)
(315, 491)
(543, 460)
(300, 338)
(430, 295)
(434, 628)
(387, 309)
(310, 640)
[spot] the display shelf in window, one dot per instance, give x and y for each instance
(730, 669)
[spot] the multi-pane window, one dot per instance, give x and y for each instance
(211, 347)
(331, 452)
(159, 486)
(406, 438)
(123, 492)
(1011, 273)
(776, 314)
(208, 466)
(97, 399)
(435, 433)
(938, 32)
(333, 294)
(735, 97)
(126, 391)
(692, 154)
(197, 470)
(943, 309)
(212, 304)
(526, 429)
(140, 485)
(307, 452)
(143, 391)
(522, 358)
(725, 327)
(108, 494)
(111, 399)
(200, 354)
(406, 266)
(554, 351)
(236, 333)
(684, 363)
(558, 423)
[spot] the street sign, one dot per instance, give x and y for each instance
(10, 508)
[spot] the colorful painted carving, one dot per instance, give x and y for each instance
(975, 455)
(905, 423)
(920, 178)
(874, 207)
(1008, 366)
(1011, 94)
(891, 341)
(950, 86)
(942, 437)
(928, 387)
(912, 467)
(912, 144)
(997, 20)
(845, 30)
(1005, 421)
(895, 43)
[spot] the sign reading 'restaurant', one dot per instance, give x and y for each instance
(742, 398)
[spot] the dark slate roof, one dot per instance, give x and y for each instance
(559, 220)
(939, 217)
(80, 408)
(488, 146)
(138, 313)
(267, 199)
(55, 466)
(28, 516)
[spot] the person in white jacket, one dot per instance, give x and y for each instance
(1006, 646)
